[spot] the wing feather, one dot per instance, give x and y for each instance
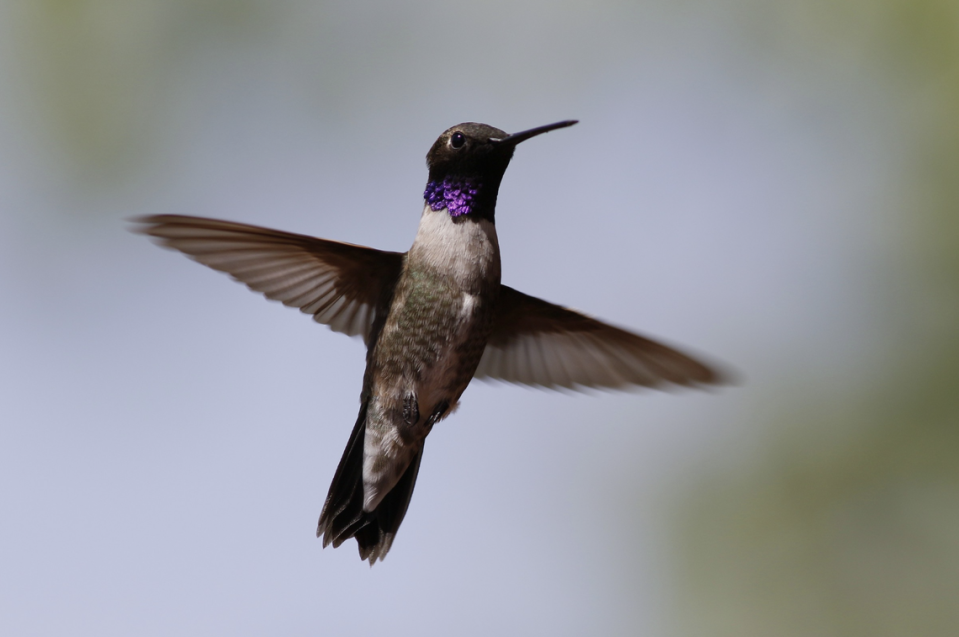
(538, 343)
(340, 284)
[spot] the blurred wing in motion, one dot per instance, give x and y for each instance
(340, 284)
(538, 343)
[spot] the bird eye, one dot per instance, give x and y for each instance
(457, 140)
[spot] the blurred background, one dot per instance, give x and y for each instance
(773, 185)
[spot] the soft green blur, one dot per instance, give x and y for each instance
(844, 520)
(104, 76)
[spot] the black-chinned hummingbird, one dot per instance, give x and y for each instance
(433, 319)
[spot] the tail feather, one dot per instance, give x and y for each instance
(343, 516)
(343, 508)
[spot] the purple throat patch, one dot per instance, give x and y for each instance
(456, 195)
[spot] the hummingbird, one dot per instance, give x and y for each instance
(432, 318)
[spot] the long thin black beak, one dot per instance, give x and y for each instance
(516, 138)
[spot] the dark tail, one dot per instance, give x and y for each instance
(343, 516)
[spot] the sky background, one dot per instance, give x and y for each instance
(772, 185)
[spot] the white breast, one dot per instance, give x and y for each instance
(466, 248)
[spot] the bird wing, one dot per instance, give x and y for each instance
(338, 283)
(538, 343)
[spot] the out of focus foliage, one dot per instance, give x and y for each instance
(104, 75)
(846, 520)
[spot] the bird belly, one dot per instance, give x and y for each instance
(422, 364)
(432, 340)
(445, 379)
